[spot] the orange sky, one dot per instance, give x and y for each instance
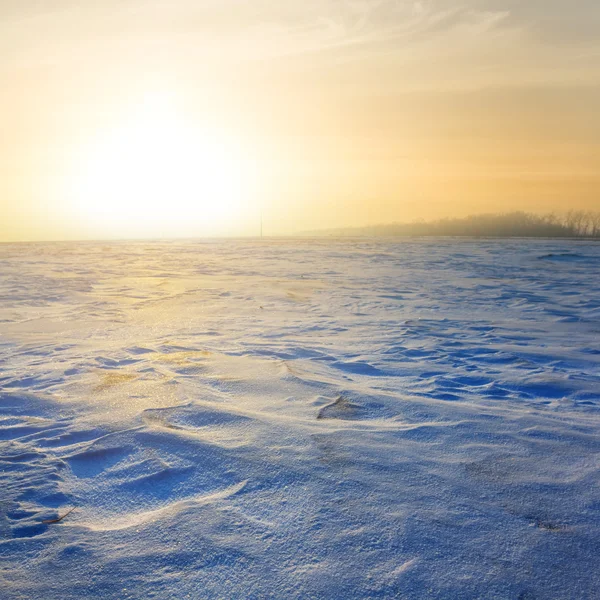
(139, 118)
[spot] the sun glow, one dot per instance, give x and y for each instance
(159, 174)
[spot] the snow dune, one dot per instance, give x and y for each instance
(300, 419)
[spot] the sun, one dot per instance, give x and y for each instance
(159, 173)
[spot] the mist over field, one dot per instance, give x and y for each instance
(573, 224)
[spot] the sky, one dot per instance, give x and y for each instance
(144, 118)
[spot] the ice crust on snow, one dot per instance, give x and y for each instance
(300, 419)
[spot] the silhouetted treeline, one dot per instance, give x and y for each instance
(575, 223)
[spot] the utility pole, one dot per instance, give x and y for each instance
(261, 224)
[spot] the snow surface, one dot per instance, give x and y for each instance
(300, 419)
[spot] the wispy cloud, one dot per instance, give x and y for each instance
(486, 36)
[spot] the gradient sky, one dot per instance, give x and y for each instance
(326, 112)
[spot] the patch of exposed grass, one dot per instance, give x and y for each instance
(110, 380)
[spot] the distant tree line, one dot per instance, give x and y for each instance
(573, 224)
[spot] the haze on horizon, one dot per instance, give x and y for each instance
(136, 118)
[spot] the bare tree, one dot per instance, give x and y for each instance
(594, 224)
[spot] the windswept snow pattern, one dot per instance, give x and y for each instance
(300, 419)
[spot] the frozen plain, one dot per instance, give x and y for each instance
(299, 419)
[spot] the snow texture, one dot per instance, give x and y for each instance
(300, 419)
